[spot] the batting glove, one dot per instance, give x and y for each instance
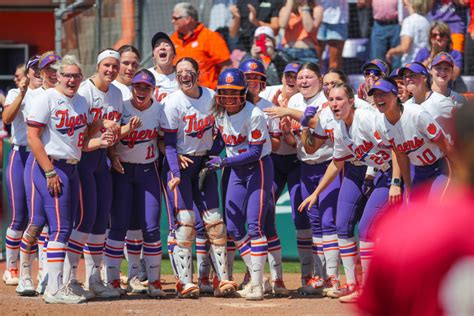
(308, 114)
(367, 187)
(215, 163)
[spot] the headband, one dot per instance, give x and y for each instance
(108, 53)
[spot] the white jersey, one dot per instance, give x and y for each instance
(413, 135)
(240, 130)
(126, 90)
(458, 99)
(191, 119)
(33, 95)
(361, 141)
(442, 109)
(270, 92)
(165, 84)
(327, 123)
(140, 146)
(64, 120)
(102, 105)
(273, 124)
(18, 125)
(324, 153)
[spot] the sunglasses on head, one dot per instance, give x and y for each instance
(372, 72)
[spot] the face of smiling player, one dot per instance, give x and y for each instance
(254, 83)
(230, 100)
(108, 70)
(289, 82)
(163, 53)
(442, 73)
(49, 75)
(385, 101)
(187, 76)
(141, 95)
(69, 80)
(129, 63)
(308, 82)
(413, 81)
(341, 105)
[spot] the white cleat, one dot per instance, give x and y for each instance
(344, 290)
(64, 295)
(102, 291)
(135, 286)
(155, 290)
(255, 293)
(10, 277)
(26, 287)
(77, 289)
(189, 290)
(243, 292)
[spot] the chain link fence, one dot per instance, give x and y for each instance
(111, 23)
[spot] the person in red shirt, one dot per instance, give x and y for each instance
(424, 262)
(192, 39)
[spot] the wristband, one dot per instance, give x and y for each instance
(50, 174)
(396, 182)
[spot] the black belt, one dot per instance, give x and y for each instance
(387, 22)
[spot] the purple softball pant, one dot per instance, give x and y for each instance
(34, 201)
(286, 169)
(187, 195)
(433, 179)
(322, 214)
(249, 198)
(96, 193)
(353, 206)
(375, 206)
(136, 193)
(351, 201)
(60, 210)
(15, 186)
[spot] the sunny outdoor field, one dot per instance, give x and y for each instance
(136, 304)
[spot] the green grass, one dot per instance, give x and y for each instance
(239, 266)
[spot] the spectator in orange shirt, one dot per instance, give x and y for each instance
(192, 39)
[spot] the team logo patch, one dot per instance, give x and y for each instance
(144, 77)
(377, 135)
(295, 65)
(51, 57)
(431, 129)
(256, 134)
(253, 66)
(229, 79)
(377, 83)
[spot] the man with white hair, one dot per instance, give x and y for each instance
(192, 39)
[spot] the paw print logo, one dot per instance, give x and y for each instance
(229, 79)
(431, 129)
(377, 135)
(256, 134)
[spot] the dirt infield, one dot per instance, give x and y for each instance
(135, 304)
